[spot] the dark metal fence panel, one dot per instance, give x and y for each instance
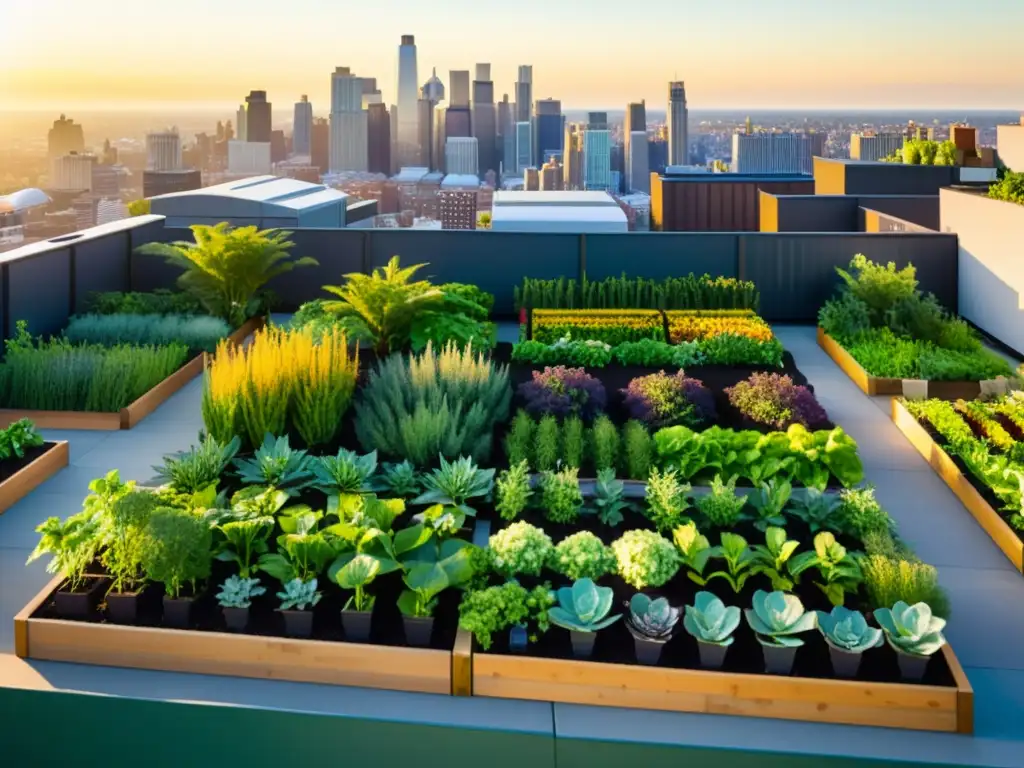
(152, 272)
(496, 262)
(338, 251)
(39, 291)
(661, 254)
(101, 265)
(796, 274)
(817, 213)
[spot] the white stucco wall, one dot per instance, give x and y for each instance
(991, 262)
(1010, 145)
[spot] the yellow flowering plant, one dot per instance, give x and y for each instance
(612, 326)
(699, 326)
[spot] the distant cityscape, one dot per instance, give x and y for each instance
(433, 156)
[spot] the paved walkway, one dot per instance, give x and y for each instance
(986, 628)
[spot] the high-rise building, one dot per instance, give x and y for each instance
(106, 181)
(257, 117)
(242, 119)
(636, 120)
(371, 93)
(524, 93)
(505, 131)
(163, 150)
(657, 153)
(349, 144)
(457, 204)
(425, 137)
(303, 125)
(549, 130)
(597, 121)
(64, 138)
(408, 94)
(874, 146)
(573, 156)
(524, 145)
(249, 158)
(597, 156)
(109, 156)
(165, 182)
(458, 88)
(378, 139)
(320, 144)
(461, 155)
(786, 153)
(638, 166)
(440, 138)
(551, 176)
(278, 147)
(72, 172)
(485, 118)
(678, 132)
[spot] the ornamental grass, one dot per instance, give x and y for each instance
(699, 326)
(612, 326)
(283, 379)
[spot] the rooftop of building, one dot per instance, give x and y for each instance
(732, 178)
(460, 180)
(410, 174)
(24, 199)
(256, 196)
(552, 199)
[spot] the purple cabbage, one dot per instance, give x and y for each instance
(660, 400)
(562, 392)
(773, 399)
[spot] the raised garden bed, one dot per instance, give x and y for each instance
(18, 477)
(976, 498)
(131, 415)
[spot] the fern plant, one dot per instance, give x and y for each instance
(225, 268)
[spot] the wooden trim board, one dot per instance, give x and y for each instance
(989, 519)
(29, 477)
(875, 386)
(892, 705)
(135, 412)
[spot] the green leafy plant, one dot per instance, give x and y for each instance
(694, 548)
(604, 443)
(547, 444)
(768, 502)
(520, 549)
(237, 592)
(739, 562)
(911, 629)
(817, 510)
(709, 620)
(455, 483)
(519, 440)
(401, 480)
(840, 572)
(667, 499)
(199, 467)
(73, 543)
(608, 499)
(176, 549)
(860, 513)
(645, 559)
(299, 594)
(345, 473)
(277, 465)
(573, 442)
(583, 607)
(721, 506)
(776, 617)
(652, 619)
(158, 302)
(225, 268)
(637, 450)
(424, 581)
(847, 630)
(514, 492)
(126, 526)
(488, 611)
(649, 353)
(686, 292)
(560, 495)
(198, 333)
(1009, 188)
(772, 558)
(20, 435)
(582, 555)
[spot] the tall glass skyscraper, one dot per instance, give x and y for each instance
(408, 95)
(302, 137)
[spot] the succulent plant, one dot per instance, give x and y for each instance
(776, 617)
(237, 592)
(848, 631)
(455, 482)
(911, 629)
(608, 499)
(278, 465)
(709, 620)
(347, 472)
(583, 607)
(298, 594)
(817, 509)
(400, 480)
(653, 619)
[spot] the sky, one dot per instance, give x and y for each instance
(821, 54)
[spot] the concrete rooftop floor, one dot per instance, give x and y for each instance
(986, 628)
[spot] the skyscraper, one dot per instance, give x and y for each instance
(65, 137)
(425, 133)
(549, 130)
(371, 93)
(597, 155)
(163, 150)
(320, 144)
(524, 93)
(461, 155)
(408, 95)
(678, 133)
(636, 120)
(572, 156)
(258, 117)
(242, 119)
(524, 145)
(783, 153)
(485, 118)
(378, 139)
(301, 138)
(349, 145)
(505, 131)
(638, 167)
(458, 88)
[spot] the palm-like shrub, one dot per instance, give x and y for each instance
(434, 403)
(380, 307)
(225, 268)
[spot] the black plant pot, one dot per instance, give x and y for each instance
(418, 630)
(357, 625)
(237, 619)
(712, 655)
(912, 667)
(123, 607)
(583, 643)
(778, 660)
(648, 651)
(81, 604)
(844, 663)
(178, 611)
(298, 623)
(518, 639)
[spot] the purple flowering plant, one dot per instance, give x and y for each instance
(562, 392)
(661, 400)
(773, 399)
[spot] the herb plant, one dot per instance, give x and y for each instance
(400, 480)
(488, 611)
(660, 400)
(645, 559)
(519, 440)
(199, 467)
(20, 435)
(520, 549)
(176, 549)
(547, 444)
(604, 443)
(299, 594)
(573, 441)
(667, 499)
(582, 555)
(721, 507)
(561, 497)
(513, 491)
(774, 400)
(637, 450)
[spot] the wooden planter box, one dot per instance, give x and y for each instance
(874, 385)
(988, 518)
(421, 670)
(892, 705)
(26, 479)
(127, 417)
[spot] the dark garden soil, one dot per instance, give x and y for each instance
(9, 467)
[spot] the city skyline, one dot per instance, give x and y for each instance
(788, 57)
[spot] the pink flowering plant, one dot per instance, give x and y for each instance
(661, 400)
(562, 392)
(773, 399)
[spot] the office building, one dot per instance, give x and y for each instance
(458, 88)
(72, 172)
(524, 145)
(485, 118)
(378, 139)
(349, 141)
(548, 138)
(461, 155)
(874, 146)
(408, 94)
(302, 127)
(570, 212)
(505, 132)
(657, 154)
(677, 123)
(638, 166)
(458, 201)
(425, 136)
(551, 176)
(572, 156)
(320, 144)
(785, 153)
(257, 117)
(371, 93)
(635, 121)
(524, 94)
(242, 121)
(597, 155)
(163, 150)
(249, 158)
(164, 182)
(440, 138)
(109, 210)
(106, 180)
(278, 147)
(64, 138)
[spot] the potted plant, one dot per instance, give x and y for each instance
(128, 518)
(848, 635)
(583, 610)
(235, 597)
(356, 575)
(448, 489)
(73, 544)
(650, 622)
(424, 581)
(775, 618)
(914, 633)
(343, 478)
(297, 596)
(711, 624)
(177, 552)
